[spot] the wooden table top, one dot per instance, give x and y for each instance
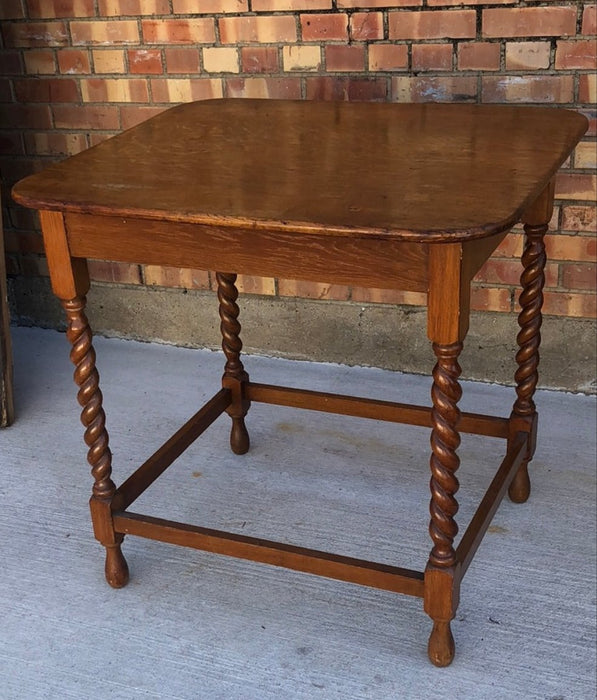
(425, 172)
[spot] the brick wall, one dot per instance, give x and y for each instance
(77, 71)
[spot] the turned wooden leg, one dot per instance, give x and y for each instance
(235, 377)
(96, 437)
(524, 415)
(441, 584)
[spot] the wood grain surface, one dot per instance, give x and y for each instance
(422, 171)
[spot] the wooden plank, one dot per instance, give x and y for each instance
(365, 573)
(339, 259)
(157, 464)
(475, 423)
(491, 500)
(6, 384)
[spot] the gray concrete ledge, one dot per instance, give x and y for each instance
(370, 335)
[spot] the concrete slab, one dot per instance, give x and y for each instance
(194, 625)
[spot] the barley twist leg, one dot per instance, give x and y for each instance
(235, 377)
(441, 601)
(96, 437)
(529, 338)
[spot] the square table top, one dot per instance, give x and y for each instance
(426, 172)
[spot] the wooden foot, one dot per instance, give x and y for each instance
(235, 378)
(441, 648)
(520, 488)
(239, 436)
(524, 414)
(116, 568)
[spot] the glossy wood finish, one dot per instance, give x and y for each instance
(412, 197)
(418, 171)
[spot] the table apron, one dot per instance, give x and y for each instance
(368, 262)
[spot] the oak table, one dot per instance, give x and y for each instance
(396, 196)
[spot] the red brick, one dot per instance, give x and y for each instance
(490, 299)
(585, 155)
(182, 60)
(54, 143)
(42, 9)
(11, 9)
(248, 284)
(260, 29)
(507, 272)
(571, 305)
(106, 32)
(576, 186)
(40, 61)
(179, 31)
(131, 115)
(145, 61)
(325, 27)
(46, 90)
(123, 273)
(511, 246)
(259, 59)
(312, 290)
(96, 137)
(11, 62)
(431, 57)
(221, 59)
(114, 90)
(41, 34)
(388, 296)
(528, 88)
(345, 58)
(439, 24)
(132, 8)
(579, 276)
(478, 56)
(30, 116)
(301, 57)
(527, 55)
(187, 7)
(346, 88)
(292, 5)
(587, 88)
(365, 26)
(108, 61)
(576, 54)
(86, 117)
(388, 57)
(434, 89)
(589, 19)
(378, 3)
(73, 61)
(573, 248)
(579, 218)
(529, 21)
(271, 88)
(185, 89)
(162, 276)
(450, 3)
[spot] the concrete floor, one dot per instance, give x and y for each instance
(195, 625)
